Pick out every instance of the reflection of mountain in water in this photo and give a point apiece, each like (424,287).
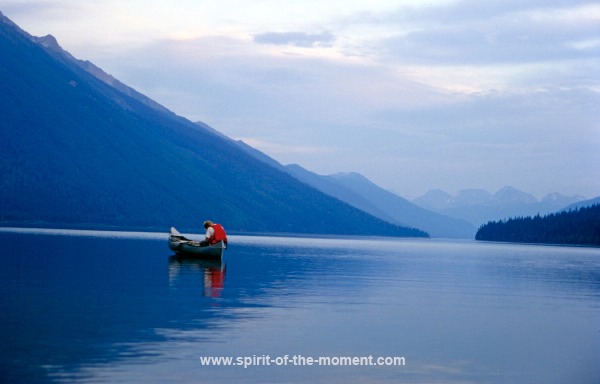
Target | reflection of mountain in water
(184,271)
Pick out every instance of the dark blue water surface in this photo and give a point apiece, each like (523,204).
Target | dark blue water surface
(107,307)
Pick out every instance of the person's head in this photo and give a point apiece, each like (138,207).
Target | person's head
(207,224)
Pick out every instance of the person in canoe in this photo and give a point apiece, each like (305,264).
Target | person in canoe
(214,233)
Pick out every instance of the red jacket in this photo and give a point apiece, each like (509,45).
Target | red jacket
(218,235)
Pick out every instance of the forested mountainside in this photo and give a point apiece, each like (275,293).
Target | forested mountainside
(77,150)
(577,227)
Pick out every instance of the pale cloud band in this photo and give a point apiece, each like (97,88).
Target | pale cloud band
(299,39)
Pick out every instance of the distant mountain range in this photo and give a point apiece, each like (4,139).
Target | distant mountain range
(79,148)
(479,206)
(359,192)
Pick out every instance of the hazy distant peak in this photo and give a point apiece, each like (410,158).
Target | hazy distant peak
(438,193)
(296,167)
(556,197)
(513,195)
(48,41)
(354,180)
(433,199)
(473,192)
(435,194)
(353,175)
(472,197)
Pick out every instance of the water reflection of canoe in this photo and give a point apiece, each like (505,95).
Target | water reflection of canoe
(187,247)
(211,270)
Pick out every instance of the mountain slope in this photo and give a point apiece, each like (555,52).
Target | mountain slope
(336,188)
(401,211)
(361,193)
(583,204)
(76,150)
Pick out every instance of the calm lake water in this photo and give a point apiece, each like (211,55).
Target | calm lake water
(103,307)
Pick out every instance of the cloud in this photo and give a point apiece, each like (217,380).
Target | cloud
(459,35)
(298,39)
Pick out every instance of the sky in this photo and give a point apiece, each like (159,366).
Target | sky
(413,94)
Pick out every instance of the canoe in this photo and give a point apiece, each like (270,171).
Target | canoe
(187,247)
